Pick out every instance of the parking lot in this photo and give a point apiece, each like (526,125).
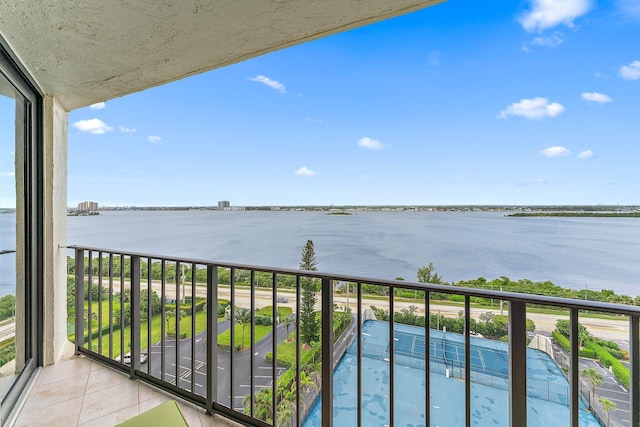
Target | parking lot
(182,375)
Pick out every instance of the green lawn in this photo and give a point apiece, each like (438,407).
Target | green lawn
(282,311)
(156,333)
(224,339)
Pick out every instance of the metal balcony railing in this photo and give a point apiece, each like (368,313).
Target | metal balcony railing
(172,340)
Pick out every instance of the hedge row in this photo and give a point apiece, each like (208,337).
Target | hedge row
(6,343)
(564,343)
(186,308)
(619,370)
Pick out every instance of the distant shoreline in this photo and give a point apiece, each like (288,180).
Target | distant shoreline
(578,214)
(526,209)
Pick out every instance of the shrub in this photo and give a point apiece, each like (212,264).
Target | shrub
(263,320)
(564,343)
(619,370)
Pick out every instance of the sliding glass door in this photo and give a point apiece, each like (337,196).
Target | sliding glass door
(20,233)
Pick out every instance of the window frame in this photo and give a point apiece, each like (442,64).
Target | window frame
(33,220)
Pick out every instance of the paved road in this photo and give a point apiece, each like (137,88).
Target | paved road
(7,331)
(263,374)
(609,329)
(610,389)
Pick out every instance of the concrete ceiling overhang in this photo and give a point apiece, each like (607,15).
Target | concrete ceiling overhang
(88,51)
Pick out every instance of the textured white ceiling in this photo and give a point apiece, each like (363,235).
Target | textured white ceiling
(94,50)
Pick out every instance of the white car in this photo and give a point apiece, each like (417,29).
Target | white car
(127,358)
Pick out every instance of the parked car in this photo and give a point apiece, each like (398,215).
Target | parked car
(282,299)
(127,358)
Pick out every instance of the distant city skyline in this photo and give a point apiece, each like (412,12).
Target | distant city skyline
(463,103)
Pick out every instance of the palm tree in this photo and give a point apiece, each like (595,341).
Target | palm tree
(288,321)
(168,315)
(262,405)
(595,378)
(607,405)
(285,412)
(315,348)
(243,317)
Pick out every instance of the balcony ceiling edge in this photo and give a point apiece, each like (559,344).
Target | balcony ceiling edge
(96,50)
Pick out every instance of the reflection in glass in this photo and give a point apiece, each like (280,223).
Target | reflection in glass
(9,366)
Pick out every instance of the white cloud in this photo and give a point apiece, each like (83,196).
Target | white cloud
(98,106)
(586,154)
(305,171)
(551,13)
(7,173)
(549,41)
(600,98)
(537,181)
(631,71)
(93,126)
(138,172)
(126,129)
(370,144)
(556,151)
(275,85)
(532,109)
(154,138)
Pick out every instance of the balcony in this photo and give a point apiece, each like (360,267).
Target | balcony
(364,367)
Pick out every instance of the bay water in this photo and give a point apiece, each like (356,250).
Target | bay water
(600,253)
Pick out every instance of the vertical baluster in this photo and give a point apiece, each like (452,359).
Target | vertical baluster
(177,319)
(467,361)
(100,302)
(163,311)
(517,363)
(359,354)
(634,357)
(79,338)
(193,328)
(252,334)
(89,302)
(232,330)
(391,359)
(274,345)
(327,353)
(111,305)
(135,314)
(212,337)
(574,368)
(427,359)
(297,326)
(122,348)
(149,314)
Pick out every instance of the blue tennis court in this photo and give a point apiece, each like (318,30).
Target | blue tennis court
(448,350)
(547,387)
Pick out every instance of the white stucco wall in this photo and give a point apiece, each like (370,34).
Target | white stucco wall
(55,229)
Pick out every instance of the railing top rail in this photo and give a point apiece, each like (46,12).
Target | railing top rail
(566,303)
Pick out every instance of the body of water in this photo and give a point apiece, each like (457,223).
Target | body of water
(7,261)
(601,253)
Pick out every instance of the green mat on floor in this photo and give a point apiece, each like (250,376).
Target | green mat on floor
(168,414)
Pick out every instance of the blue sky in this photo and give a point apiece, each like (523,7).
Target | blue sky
(467,102)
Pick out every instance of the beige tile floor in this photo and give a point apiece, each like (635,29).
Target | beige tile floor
(81,392)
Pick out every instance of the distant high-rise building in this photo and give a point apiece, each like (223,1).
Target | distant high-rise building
(224,205)
(88,206)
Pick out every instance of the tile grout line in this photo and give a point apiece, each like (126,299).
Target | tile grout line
(114,410)
(84,392)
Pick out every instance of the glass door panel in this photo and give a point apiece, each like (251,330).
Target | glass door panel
(8,144)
